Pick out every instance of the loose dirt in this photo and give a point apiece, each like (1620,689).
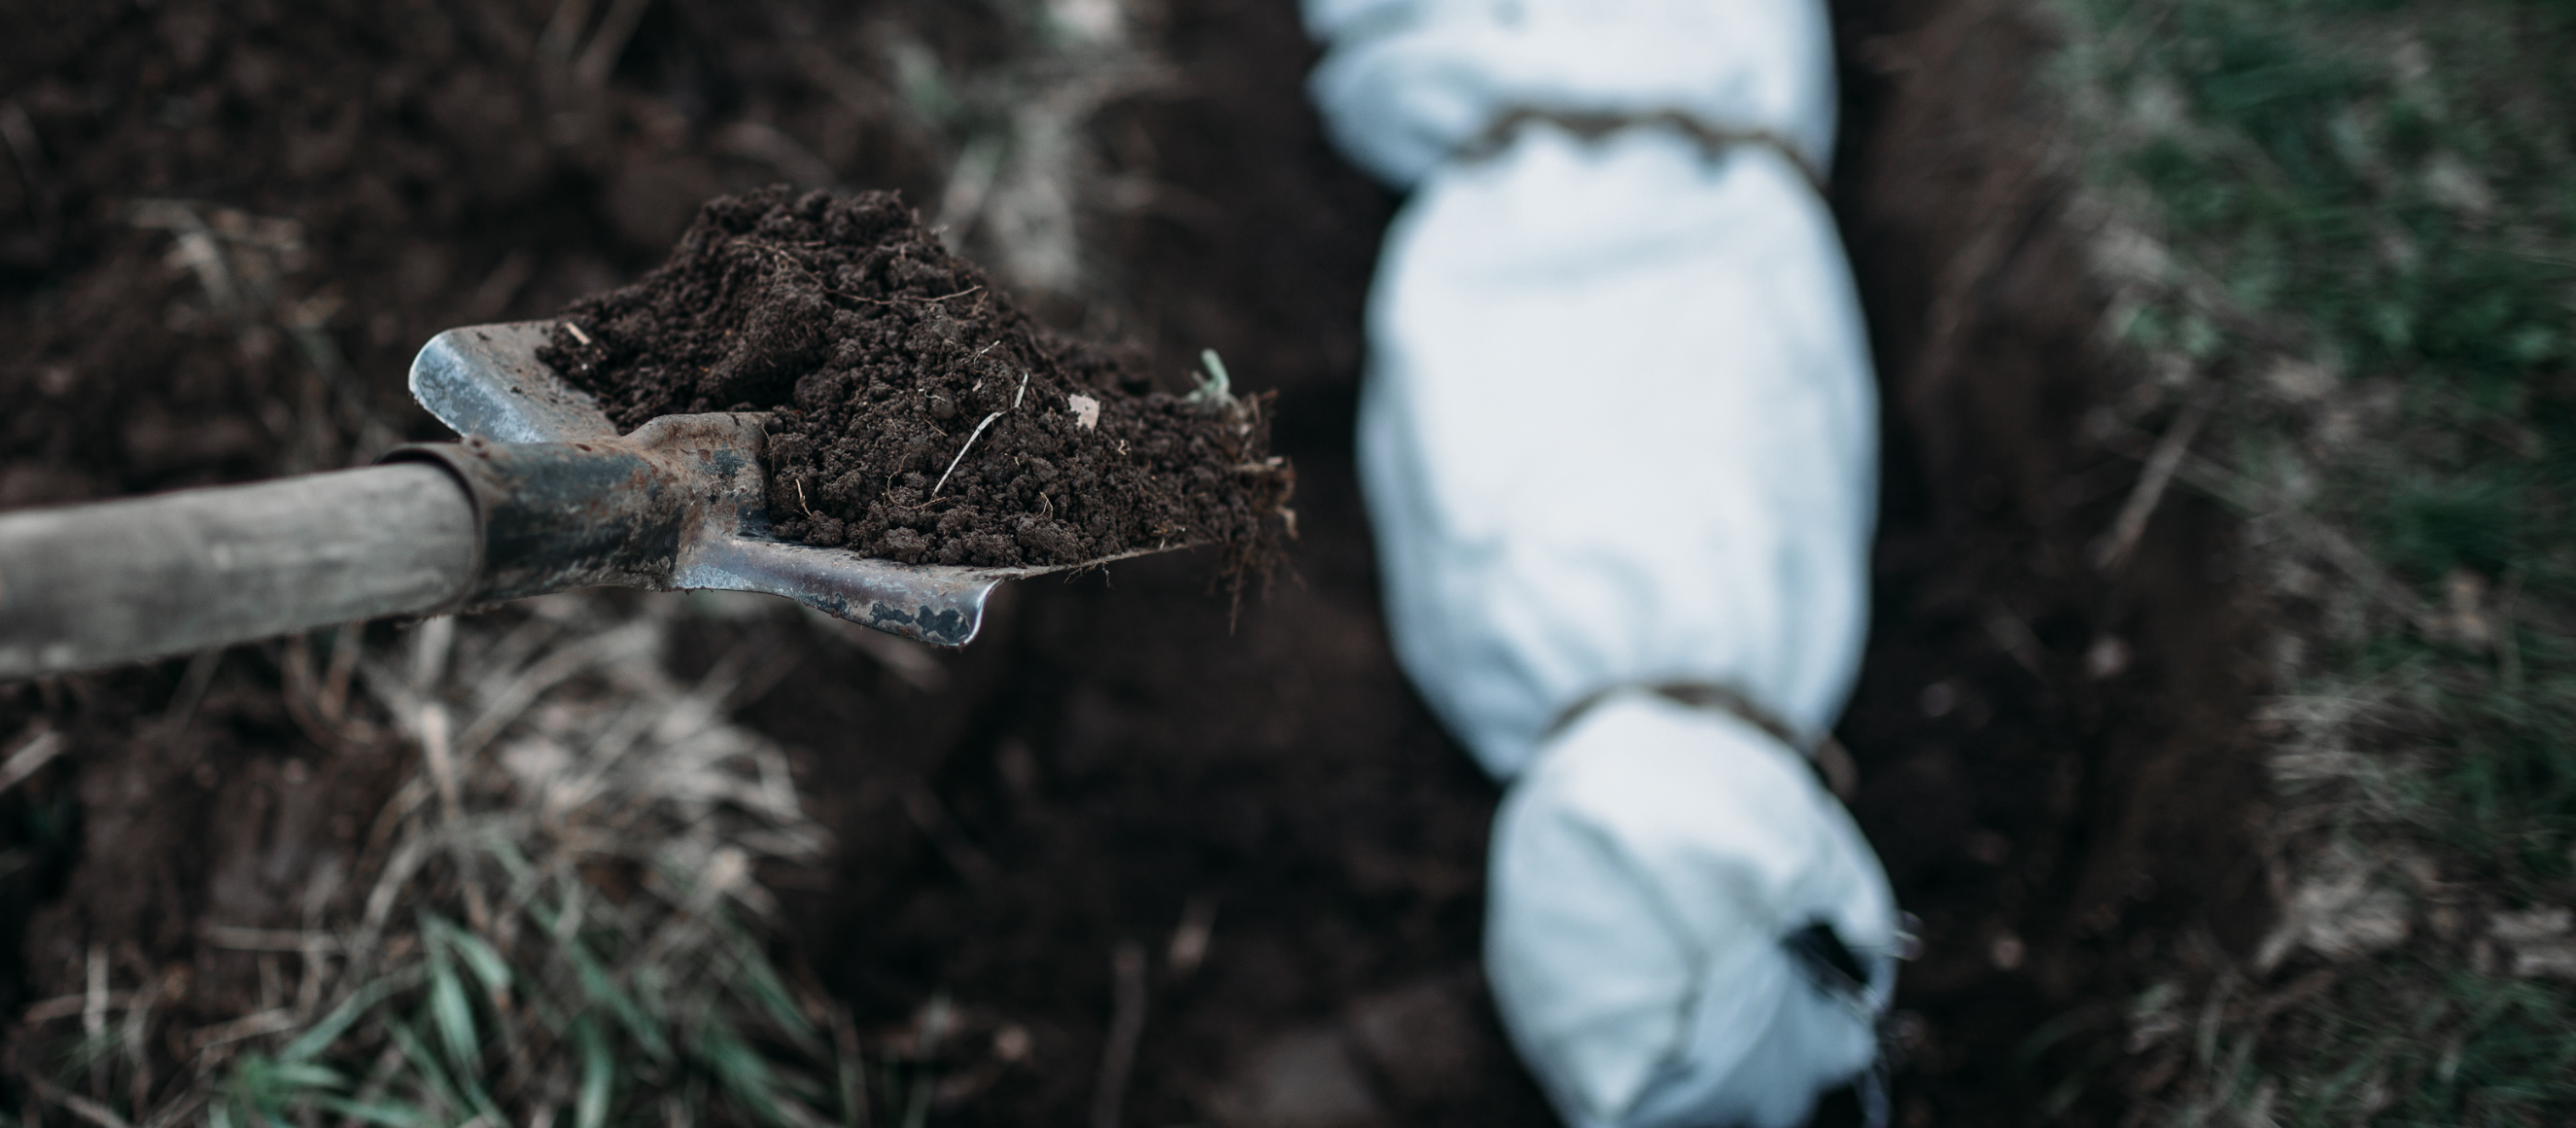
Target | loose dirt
(916,413)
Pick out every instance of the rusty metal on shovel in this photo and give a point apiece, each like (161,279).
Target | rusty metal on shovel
(552,498)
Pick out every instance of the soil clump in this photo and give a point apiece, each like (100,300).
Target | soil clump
(917,414)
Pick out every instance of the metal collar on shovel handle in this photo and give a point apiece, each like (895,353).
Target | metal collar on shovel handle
(553,498)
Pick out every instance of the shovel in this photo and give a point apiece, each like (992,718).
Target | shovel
(543,495)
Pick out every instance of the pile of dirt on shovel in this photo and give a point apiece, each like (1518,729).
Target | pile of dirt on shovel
(917,413)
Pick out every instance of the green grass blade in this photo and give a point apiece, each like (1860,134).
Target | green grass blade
(916,1112)
(512,860)
(741,1071)
(478,954)
(603,990)
(327,1031)
(770,991)
(460,1088)
(433,1077)
(453,1014)
(303,1075)
(389,1114)
(852,1073)
(598,1071)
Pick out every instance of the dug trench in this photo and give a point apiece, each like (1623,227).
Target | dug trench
(2053,761)
(1242,825)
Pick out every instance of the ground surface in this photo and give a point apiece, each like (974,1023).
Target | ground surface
(1254,804)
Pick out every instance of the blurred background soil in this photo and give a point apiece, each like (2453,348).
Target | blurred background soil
(225,228)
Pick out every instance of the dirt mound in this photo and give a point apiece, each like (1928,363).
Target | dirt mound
(919,415)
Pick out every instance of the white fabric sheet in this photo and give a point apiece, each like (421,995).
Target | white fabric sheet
(1619,429)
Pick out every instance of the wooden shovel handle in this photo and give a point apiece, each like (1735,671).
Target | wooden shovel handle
(95,585)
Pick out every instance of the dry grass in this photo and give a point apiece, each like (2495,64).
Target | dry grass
(558,919)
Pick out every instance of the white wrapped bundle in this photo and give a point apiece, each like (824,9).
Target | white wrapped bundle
(1619,431)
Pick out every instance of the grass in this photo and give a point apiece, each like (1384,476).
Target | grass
(2357,218)
(557,921)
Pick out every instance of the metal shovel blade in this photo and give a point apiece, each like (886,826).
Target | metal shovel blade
(486,382)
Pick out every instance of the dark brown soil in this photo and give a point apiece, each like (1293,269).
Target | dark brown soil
(1110,756)
(916,413)
(2057,761)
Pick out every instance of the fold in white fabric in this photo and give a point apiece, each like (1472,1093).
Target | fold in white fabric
(1410,82)
(1619,430)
